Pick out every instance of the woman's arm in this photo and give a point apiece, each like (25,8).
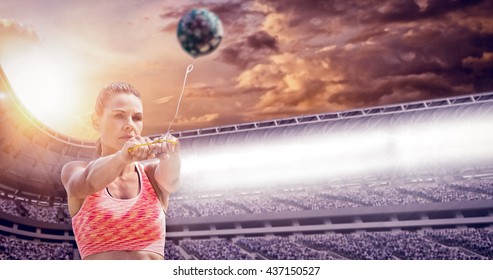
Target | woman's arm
(82,179)
(167,171)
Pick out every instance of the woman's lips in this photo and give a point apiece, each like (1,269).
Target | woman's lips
(127,137)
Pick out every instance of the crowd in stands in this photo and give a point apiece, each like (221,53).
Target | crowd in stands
(386,245)
(179,210)
(479,241)
(319,197)
(281,248)
(171,252)
(16,249)
(478,185)
(262,204)
(459,243)
(392,196)
(278,200)
(214,249)
(8,206)
(314,200)
(212,207)
(443,244)
(48,214)
(442,193)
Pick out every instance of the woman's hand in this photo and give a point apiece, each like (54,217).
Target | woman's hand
(169,148)
(138,149)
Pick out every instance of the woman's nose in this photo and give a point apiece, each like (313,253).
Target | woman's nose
(129,125)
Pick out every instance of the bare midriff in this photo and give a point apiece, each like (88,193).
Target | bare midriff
(125,255)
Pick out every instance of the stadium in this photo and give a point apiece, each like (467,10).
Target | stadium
(404,181)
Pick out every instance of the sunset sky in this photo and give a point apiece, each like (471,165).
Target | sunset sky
(277,58)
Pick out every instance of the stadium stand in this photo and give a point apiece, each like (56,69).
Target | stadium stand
(427,243)
(14,249)
(316,198)
(44,213)
(214,249)
(172,252)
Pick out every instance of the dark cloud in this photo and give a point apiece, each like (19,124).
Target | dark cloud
(440,7)
(479,64)
(482,71)
(370,11)
(250,51)
(310,8)
(397,89)
(410,10)
(261,40)
(230,13)
(412,61)
(400,10)
(406,51)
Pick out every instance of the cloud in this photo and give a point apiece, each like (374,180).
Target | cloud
(207,118)
(15,36)
(400,54)
(478,64)
(262,39)
(288,84)
(291,57)
(402,10)
(192,122)
(163,100)
(397,89)
(482,71)
(435,8)
(250,51)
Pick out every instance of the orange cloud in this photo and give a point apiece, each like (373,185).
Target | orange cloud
(292,84)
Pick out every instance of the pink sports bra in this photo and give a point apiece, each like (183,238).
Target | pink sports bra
(105,223)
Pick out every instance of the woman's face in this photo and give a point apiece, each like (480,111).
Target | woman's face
(121,120)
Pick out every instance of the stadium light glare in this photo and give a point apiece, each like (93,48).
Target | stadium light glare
(362,151)
(444,144)
(288,160)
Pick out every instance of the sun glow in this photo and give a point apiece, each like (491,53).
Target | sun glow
(49,84)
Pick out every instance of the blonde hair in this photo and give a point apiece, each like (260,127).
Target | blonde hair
(107,91)
(111,89)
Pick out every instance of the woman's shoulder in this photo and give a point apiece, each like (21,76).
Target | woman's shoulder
(69,167)
(75,164)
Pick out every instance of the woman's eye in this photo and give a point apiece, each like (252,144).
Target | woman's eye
(138,118)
